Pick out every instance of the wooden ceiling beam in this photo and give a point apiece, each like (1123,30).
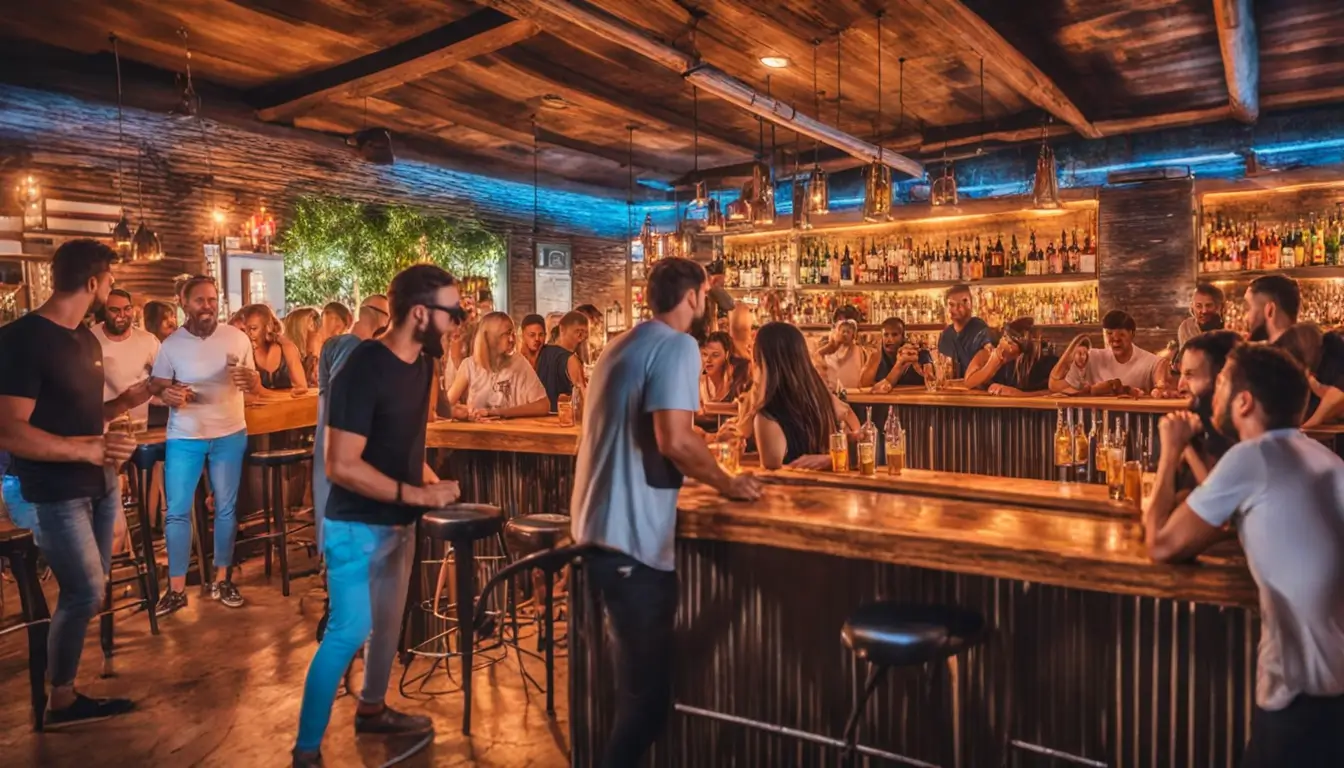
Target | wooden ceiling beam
(1241,56)
(1304,98)
(953,18)
(484,31)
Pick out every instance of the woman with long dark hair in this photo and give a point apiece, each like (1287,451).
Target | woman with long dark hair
(1016,367)
(794,413)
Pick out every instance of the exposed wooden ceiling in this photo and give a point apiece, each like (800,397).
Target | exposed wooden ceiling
(470,77)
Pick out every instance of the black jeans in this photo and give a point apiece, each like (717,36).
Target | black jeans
(1308,733)
(641,609)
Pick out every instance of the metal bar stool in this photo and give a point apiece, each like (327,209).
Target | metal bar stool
(17,546)
(895,634)
(527,535)
(461,526)
(273,509)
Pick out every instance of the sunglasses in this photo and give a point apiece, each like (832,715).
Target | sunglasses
(456,314)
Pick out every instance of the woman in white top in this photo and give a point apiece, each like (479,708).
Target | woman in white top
(496,382)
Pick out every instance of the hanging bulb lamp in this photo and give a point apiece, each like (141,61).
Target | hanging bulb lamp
(121,234)
(801,219)
(701,188)
(818,193)
(701,198)
(145,245)
(713,216)
(944,190)
(1045,187)
(762,195)
(740,209)
(876,192)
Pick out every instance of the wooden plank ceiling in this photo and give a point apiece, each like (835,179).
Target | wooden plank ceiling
(469,78)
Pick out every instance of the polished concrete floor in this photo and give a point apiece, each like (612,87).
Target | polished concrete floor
(222,687)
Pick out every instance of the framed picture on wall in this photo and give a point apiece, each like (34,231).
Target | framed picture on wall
(557,256)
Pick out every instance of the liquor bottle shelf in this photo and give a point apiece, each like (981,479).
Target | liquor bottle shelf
(1301,273)
(1026,280)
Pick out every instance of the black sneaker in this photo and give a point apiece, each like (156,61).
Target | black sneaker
(171,602)
(87,710)
(391,722)
(306,759)
(226,593)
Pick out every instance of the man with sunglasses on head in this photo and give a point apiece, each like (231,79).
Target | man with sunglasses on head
(202,373)
(375,459)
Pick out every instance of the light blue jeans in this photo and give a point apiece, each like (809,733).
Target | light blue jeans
(183,462)
(368,573)
(321,485)
(22,513)
(77,542)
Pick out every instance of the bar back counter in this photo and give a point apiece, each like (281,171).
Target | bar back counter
(1096,656)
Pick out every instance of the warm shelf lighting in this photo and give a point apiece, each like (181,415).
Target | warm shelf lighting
(775,62)
(1273,190)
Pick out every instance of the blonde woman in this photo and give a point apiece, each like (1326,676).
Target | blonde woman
(497,382)
(303,326)
(278,359)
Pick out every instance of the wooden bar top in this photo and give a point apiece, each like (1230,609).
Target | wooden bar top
(273,414)
(988,539)
(536,435)
(968,398)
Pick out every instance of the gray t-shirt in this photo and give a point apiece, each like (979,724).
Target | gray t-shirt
(625,492)
(1285,494)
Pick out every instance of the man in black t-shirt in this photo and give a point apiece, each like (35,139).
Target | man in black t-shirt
(51,421)
(379,406)
(558,366)
(900,364)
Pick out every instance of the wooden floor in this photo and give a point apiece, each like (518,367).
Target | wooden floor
(222,687)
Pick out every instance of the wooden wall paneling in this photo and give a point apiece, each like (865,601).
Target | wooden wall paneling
(1147,255)
(599,270)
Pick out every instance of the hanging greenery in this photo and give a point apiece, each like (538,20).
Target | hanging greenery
(330,245)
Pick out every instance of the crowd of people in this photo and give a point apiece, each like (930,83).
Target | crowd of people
(1234,462)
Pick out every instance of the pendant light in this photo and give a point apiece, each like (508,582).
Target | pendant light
(145,245)
(1045,187)
(801,219)
(713,217)
(877,176)
(635,242)
(739,210)
(701,198)
(121,233)
(536,174)
(818,186)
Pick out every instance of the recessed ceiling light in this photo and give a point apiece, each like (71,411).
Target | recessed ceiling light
(775,62)
(552,101)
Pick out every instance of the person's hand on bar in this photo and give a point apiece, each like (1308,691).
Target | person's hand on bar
(882,387)
(820,462)
(743,487)
(461,412)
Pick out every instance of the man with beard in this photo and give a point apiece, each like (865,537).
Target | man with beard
(532,337)
(128,357)
(202,372)
(1201,360)
(898,365)
(380,487)
(1272,306)
(51,422)
(1280,491)
(638,441)
(1206,313)
(965,334)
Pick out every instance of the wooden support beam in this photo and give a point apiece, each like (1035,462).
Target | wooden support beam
(1304,98)
(484,31)
(1169,120)
(1241,56)
(954,19)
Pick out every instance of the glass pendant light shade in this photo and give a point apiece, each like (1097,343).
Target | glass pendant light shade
(818,193)
(121,234)
(740,209)
(701,195)
(876,192)
(763,195)
(1045,188)
(145,244)
(801,218)
(944,190)
(713,216)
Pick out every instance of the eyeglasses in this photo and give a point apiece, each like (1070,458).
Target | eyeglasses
(456,314)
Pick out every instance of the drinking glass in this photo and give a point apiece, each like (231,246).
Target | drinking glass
(895,454)
(839,452)
(565,410)
(725,453)
(1115,471)
(1134,482)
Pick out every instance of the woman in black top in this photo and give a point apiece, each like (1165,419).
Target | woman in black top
(1016,367)
(278,359)
(795,414)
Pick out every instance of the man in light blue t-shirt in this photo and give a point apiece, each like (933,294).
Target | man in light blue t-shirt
(638,441)
(1283,494)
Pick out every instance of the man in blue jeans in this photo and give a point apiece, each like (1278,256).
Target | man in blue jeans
(380,485)
(201,373)
(638,441)
(51,422)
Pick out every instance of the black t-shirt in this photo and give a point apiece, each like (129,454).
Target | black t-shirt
(1038,377)
(386,400)
(61,369)
(1330,370)
(910,377)
(553,370)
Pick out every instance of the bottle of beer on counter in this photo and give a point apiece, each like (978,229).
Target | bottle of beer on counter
(1081,446)
(868,445)
(1063,441)
(894,437)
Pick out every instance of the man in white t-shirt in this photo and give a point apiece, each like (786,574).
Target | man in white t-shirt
(1119,368)
(128,358)
(202,372)
(1283,494)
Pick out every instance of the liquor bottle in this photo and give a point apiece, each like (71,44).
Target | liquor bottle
(1081,446)
(1016,267)
(1053,265)
(995,268)
(1287,250)
(846,268)
(1033,256)
(1332,243)
(978,273)
(1087,260)
(894,437)
(1071,260)
(868,445)
(1254,250)
(1063,441)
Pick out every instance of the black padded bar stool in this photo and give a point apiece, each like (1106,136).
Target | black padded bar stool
(896,634)
(273,465)
(461,526)
(526,536)
(17,546)
(144,459)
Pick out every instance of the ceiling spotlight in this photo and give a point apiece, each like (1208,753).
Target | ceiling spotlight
(775,62)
